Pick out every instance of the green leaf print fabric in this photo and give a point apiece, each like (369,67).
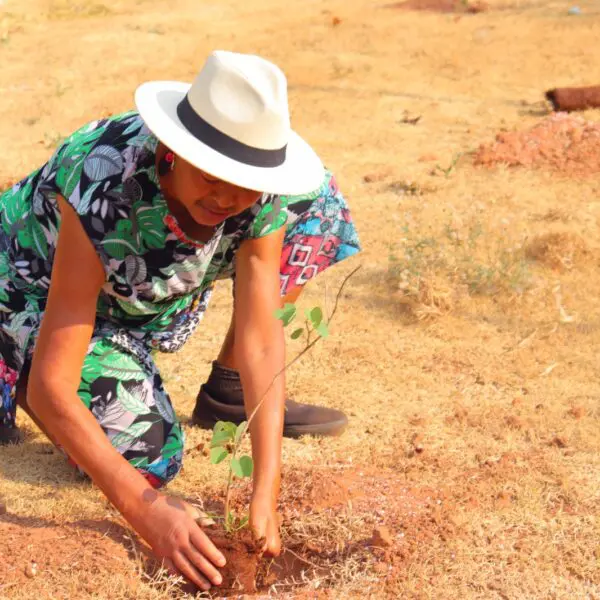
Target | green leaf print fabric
(158,281)
(158,285)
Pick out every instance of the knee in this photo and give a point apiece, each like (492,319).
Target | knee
(162,470)
(158,453)
(160,463)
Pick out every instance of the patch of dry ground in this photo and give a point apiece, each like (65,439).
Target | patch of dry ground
(466,349)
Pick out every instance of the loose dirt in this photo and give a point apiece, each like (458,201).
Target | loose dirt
(518,516)
(562,143)
(32,549)
(442,6)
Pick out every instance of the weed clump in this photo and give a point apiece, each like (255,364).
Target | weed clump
(429,273)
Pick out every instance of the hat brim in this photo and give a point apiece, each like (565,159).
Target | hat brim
(301,173)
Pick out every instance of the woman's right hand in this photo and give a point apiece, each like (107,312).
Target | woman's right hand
(170,526)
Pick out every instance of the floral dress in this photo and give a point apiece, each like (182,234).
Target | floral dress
(158,281)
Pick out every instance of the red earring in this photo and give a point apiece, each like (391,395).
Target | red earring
(167,163)
(170,158)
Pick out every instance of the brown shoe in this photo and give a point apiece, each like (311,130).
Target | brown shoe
(10,435)
(221,399)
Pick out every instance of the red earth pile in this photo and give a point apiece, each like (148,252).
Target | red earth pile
(443,6)
(562,143)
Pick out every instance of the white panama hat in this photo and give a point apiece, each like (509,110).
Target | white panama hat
(233,122)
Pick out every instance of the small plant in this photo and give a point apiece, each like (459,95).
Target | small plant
(447,171)
(227,437)
(429,271)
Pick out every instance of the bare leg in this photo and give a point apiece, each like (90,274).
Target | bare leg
(227,355)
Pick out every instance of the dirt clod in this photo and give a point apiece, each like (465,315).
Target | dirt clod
(242,556)
(374,177)
(503,499)
(98,546)
(514,422)
(563,143)
(560,441)
(568,99)
(559,250)
(577,412)
(382,538)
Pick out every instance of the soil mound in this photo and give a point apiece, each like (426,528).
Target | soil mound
(442,6)
(34,550)
(562,143)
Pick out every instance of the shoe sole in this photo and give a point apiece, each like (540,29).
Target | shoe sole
(332,429)
(12,439)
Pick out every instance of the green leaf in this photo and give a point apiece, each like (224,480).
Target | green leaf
(119,245)
(236,467)
(132,433)
(86,199)
(218,455)
(240,431)
(111,363)
(315,315)
(150,225)
(297,333)
(247,465)
(223,433)
(322,330)
(164,406)
(244,522)
(130,402)
(242,467)
(139,462)
(38,238)
(220,438)
(116,363)
(174,443)
(226,426)
(286,314)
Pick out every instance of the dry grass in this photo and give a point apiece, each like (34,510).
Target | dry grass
(499,392)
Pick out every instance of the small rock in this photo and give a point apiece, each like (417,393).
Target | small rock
(417,442)
(514,422)
(577,412)
(335,21)
(574,11)
(31,570)
(382,538)
(560,441)
(503,500)
(373,177)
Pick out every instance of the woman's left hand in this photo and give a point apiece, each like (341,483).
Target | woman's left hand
(264,523)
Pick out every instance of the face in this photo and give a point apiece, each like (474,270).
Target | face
(209,201)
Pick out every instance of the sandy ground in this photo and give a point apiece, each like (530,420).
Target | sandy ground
(466,348)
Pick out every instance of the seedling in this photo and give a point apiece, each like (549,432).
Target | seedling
(447,171)
(227,437)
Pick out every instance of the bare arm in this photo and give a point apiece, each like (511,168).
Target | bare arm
(260,354)
(66,330)
(77,277)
